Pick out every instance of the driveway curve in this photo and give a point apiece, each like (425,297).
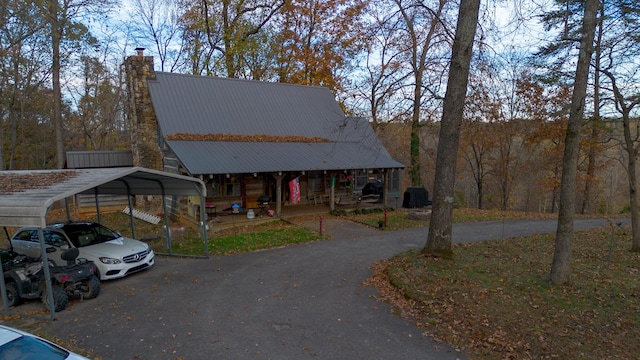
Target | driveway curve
(298,302)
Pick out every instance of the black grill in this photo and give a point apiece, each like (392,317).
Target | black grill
(137,268)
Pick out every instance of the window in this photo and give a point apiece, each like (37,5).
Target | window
(213,186)
(394,180)
(315,181)
(54,239)
(232,188)
(27,235)
(362,179)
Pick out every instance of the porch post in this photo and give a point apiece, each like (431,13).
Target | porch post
(279,176)
(385,191)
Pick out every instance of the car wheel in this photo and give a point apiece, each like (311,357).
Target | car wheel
(13,296)
(91,288)
(60,298)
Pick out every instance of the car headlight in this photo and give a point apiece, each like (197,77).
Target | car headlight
(109,261)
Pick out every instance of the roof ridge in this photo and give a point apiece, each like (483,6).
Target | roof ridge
(208,77)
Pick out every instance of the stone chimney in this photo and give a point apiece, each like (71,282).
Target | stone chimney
(141,117)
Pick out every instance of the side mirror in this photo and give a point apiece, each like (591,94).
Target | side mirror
(50,250)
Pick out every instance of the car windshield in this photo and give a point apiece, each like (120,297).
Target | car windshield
(28,348)
(89,234)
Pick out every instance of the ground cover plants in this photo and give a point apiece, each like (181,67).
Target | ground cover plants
(495,300)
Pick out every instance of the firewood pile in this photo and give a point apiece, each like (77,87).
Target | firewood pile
(244,138)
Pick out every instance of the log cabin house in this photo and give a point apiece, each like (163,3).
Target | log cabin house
(246,139)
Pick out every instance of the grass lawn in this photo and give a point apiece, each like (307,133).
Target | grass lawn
(495,300)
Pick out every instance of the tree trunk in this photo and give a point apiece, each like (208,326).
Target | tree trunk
(595,125)
(633,196)
(440,229)
(56,34)
(561,267)
(416,176)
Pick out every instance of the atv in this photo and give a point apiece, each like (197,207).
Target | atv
(24,279)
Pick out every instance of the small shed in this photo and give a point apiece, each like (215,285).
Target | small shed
(85,204)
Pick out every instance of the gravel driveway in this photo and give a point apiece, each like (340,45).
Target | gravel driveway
(298,302)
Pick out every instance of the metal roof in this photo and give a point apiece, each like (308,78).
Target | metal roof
(99,159)
(248,157)
(214,105)
(28,207)
(211,105)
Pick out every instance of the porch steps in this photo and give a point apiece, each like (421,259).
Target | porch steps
(144,216)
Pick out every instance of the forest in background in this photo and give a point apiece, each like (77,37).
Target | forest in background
(62,85)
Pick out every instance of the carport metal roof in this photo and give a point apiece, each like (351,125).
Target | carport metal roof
(27,195)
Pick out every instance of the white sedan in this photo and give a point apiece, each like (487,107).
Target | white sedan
(20,345)
(115,256)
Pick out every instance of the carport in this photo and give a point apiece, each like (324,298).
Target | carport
(26,196)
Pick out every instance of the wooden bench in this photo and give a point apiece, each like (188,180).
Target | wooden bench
(355,201)
(371,198)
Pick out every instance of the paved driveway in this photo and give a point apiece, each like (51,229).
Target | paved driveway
(299,302)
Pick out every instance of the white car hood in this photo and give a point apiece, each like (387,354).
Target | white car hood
(117,248)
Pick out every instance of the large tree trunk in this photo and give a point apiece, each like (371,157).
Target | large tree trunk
(439,238)
(561,267)
(633,193)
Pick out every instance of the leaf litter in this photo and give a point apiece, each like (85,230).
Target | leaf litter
(495,299)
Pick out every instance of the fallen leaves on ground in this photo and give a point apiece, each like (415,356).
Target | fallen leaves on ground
(495,299)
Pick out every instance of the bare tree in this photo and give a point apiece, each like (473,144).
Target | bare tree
(63,17)
(440,226)
(383,69)
(423,26)
(157,21)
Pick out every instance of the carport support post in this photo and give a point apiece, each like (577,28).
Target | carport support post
(66,207)
(47,273)
(95,191)
(133,225)
(203,225)
(332,202)
(385,188)
(3,288)
(167,233)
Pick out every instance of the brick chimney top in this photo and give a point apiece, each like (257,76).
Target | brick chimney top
(140,51)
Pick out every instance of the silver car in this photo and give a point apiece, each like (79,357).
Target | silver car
(115,256)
